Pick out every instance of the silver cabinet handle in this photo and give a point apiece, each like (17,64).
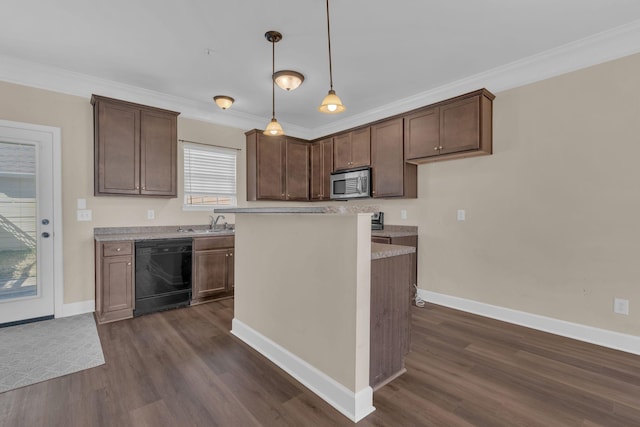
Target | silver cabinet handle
(117,249)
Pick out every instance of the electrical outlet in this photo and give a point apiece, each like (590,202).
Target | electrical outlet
(151,214)
(83,214)
(403,214)
(461,215)
(621,306)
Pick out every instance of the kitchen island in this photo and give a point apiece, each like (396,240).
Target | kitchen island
(303,298)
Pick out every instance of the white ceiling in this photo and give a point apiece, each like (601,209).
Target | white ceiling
(388,56)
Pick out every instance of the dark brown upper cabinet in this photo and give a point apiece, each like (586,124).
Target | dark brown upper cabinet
(352,149)
(391,176)
(422,134)
(459,127)
(277,167)
(286,168)
(135,149)
(321,168)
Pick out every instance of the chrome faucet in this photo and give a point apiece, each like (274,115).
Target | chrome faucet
(214,222)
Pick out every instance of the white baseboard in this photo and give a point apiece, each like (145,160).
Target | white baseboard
(354,406)
(80,307)
(602,337)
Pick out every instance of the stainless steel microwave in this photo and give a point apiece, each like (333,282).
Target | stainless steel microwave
(351,184)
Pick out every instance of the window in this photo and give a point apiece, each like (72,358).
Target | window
(209,177)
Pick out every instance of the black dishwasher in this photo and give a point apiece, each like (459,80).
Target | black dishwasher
(163,275)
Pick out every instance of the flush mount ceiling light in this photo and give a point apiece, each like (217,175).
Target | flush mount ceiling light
(288,80)
(223,102)
(273,128)
(331,104)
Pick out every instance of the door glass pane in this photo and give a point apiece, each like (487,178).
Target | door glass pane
(17,221)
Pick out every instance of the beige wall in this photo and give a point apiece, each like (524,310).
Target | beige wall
(552,216)
(298,285)
(74,115)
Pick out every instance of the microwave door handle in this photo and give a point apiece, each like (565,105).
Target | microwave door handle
(363,185)
(359,186)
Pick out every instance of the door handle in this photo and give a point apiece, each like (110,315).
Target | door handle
(45,234)
(45,222)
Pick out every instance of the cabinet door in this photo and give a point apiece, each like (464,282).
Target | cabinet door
(315,161)
(117,283)
(231,270)
(342,151)
(158,153)
(210,275)
(361,148)
(117,149)
(270,167)
(460,126)
(297,170)
(388,159)
(422,134)
(321,156)
(327,167)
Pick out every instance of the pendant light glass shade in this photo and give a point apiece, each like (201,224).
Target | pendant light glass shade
(288,80)
(331,104)
(223,102)
(273,128)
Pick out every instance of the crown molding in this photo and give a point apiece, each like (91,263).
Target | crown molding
(602,47)
(26,73)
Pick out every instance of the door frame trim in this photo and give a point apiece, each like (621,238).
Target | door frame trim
(58,274)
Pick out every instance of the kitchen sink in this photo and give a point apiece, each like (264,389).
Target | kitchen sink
(206,231)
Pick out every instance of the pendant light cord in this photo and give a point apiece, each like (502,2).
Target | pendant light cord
(273,84)
(329,40)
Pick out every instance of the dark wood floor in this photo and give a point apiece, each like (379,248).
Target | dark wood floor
(183,368)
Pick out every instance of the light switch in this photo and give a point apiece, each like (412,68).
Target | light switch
(462,215)
(83,214)
(82,204)
(151,214)
(403,214)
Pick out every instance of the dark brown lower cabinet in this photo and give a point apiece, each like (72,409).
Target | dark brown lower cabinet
(390,331)
(404,241)
(114,281)
(213,268)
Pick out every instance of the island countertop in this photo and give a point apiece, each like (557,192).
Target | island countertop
(337,209)
(384,250)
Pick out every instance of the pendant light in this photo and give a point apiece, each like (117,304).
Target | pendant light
(273,128)
(331,104)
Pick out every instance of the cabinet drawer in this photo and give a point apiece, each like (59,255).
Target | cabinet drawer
(204,243)
(380,239)
(117,248)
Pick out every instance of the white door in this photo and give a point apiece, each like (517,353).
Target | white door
(26,221)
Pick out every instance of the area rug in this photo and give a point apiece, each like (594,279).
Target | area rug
(40,351)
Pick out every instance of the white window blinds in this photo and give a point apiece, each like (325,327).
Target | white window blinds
(209,176)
